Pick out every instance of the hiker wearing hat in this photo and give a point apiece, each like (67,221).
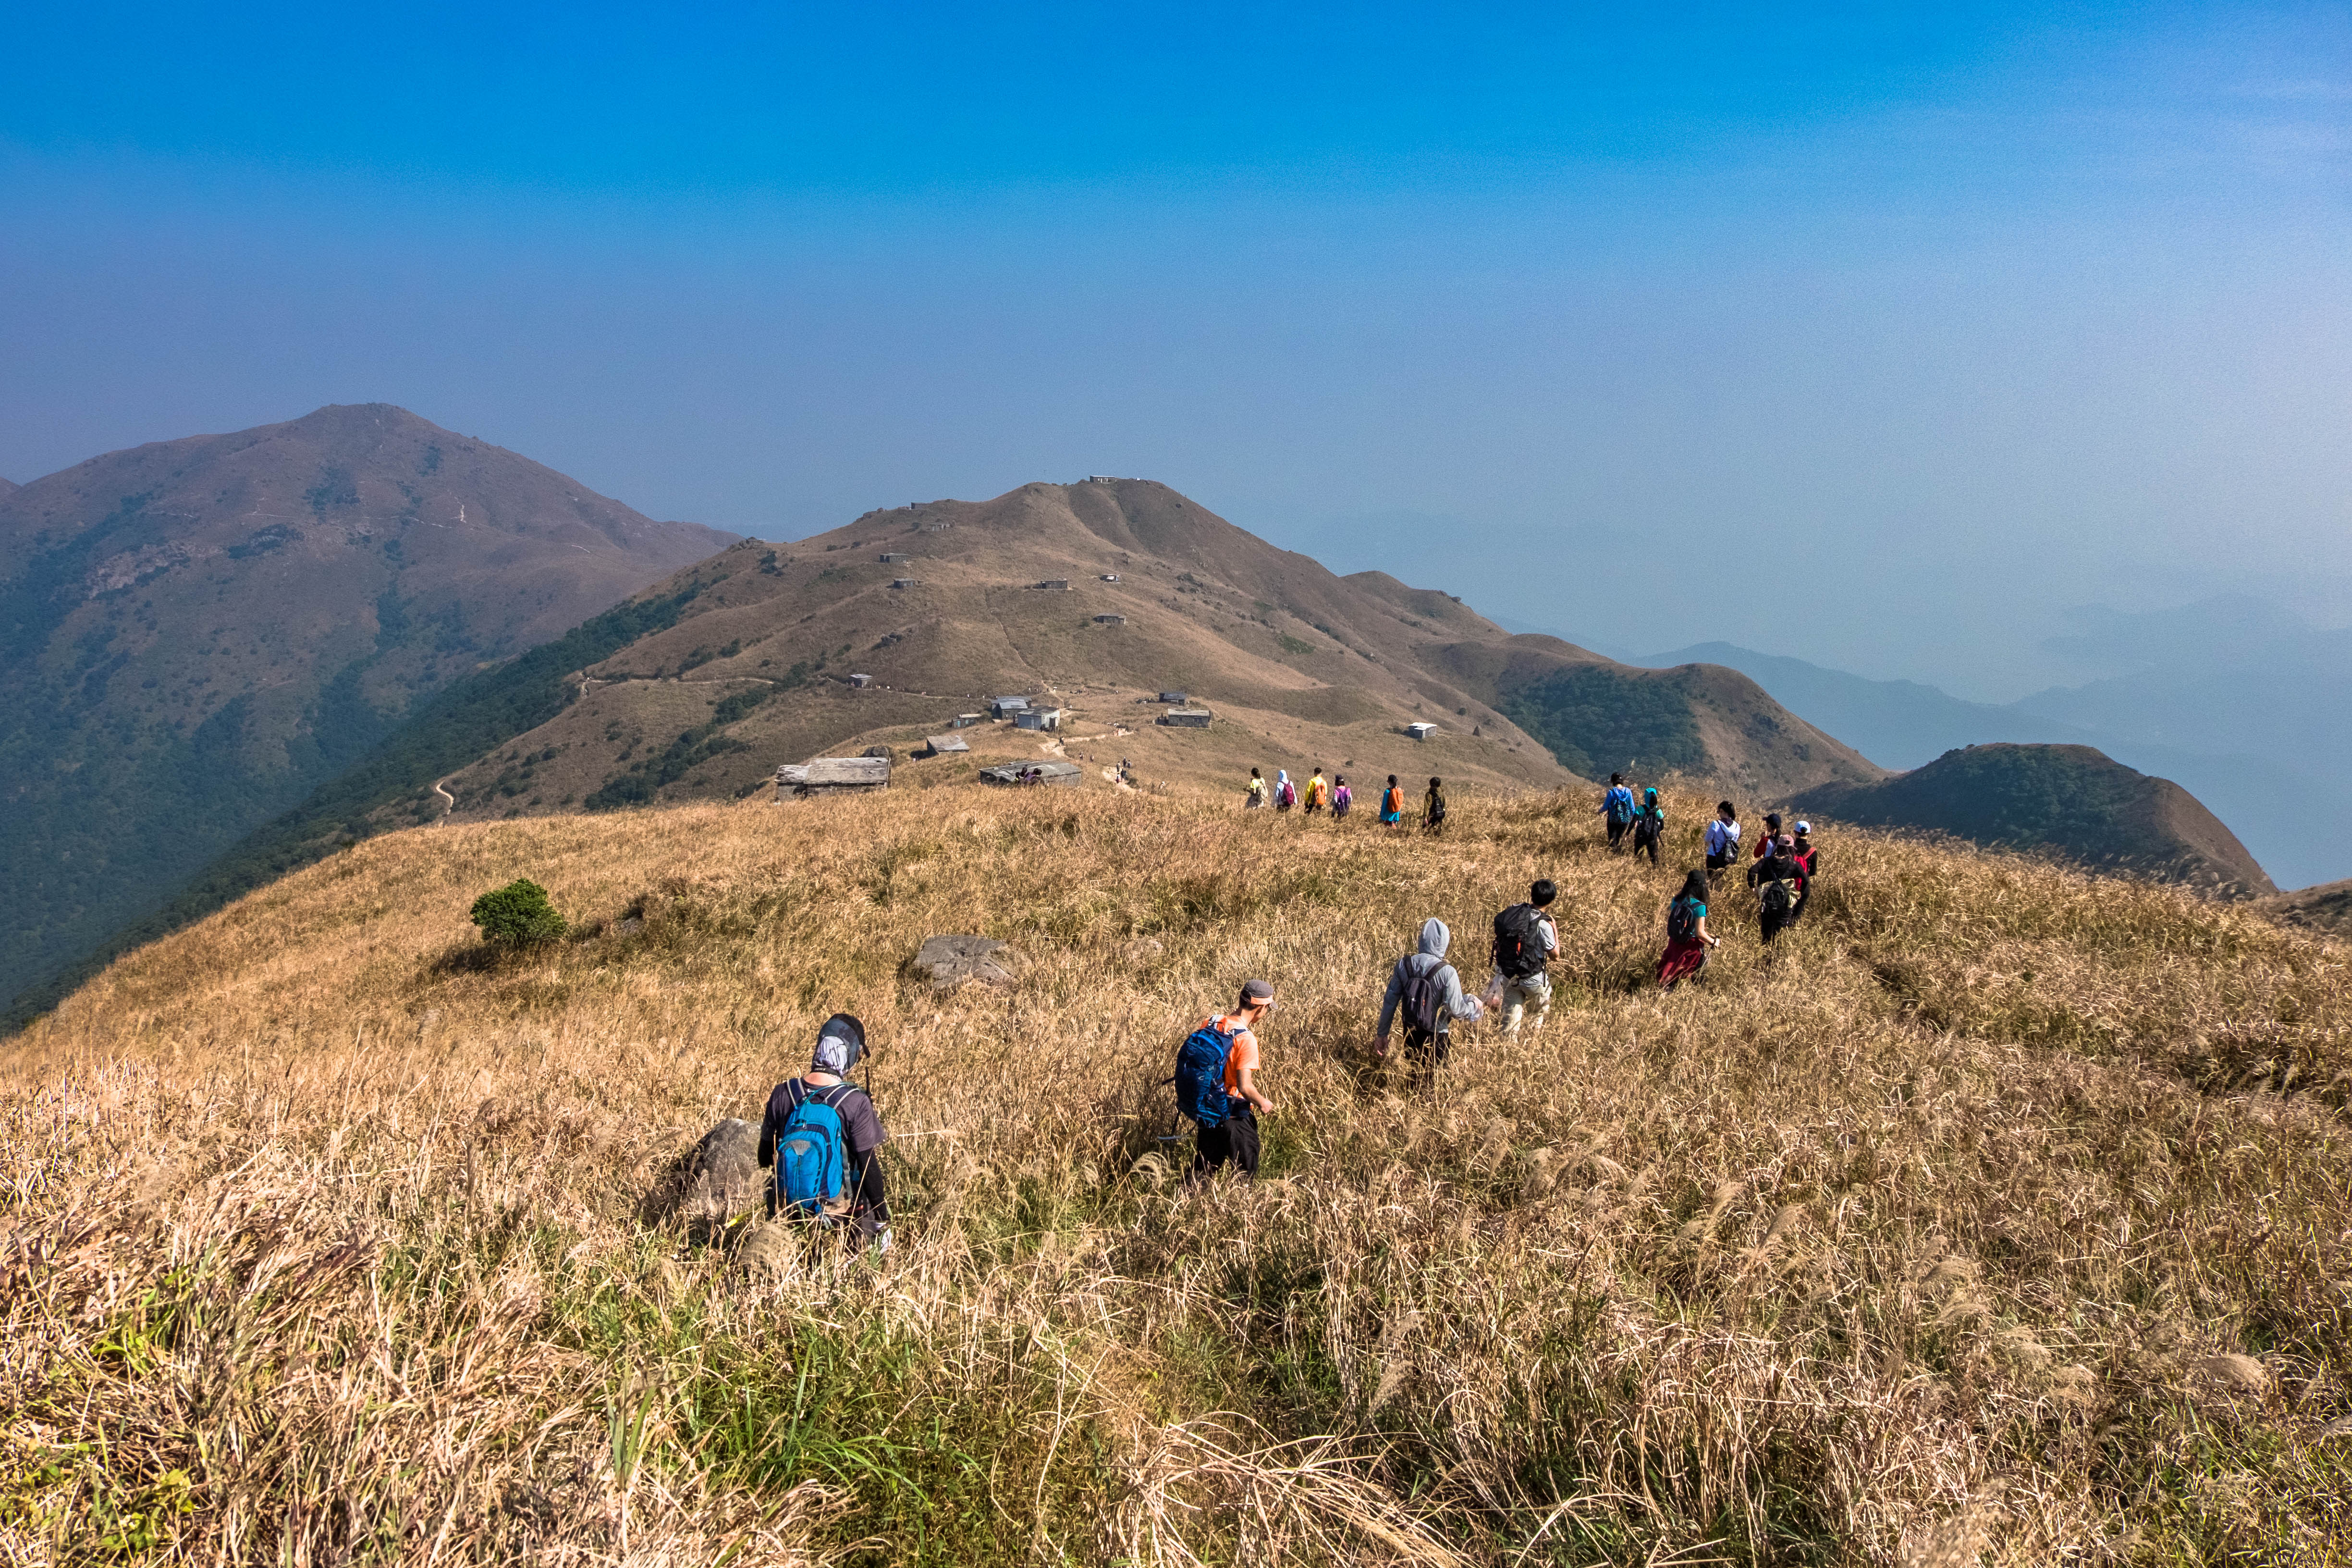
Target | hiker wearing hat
(1216,1085)
(825,1138)
(1649,825)
(1809,866)
(1617,806)
(1765,845)
(1774,877)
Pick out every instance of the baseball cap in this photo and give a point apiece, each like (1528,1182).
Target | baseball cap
(1257,990)
(1805,828)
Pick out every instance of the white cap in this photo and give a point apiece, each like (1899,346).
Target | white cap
(1805,828)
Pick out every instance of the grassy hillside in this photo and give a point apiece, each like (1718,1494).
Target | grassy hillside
(196,634)
(2327,907)
(2073,800)
(2002,1212)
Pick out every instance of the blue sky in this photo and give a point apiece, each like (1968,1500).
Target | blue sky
(1878,336)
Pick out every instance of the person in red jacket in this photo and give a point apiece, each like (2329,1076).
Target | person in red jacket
(1809,866)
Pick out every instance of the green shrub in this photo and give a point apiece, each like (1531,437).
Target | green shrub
(517,915)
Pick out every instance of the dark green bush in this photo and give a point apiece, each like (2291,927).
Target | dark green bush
(517,915)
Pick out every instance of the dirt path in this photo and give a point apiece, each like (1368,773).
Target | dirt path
(449,801)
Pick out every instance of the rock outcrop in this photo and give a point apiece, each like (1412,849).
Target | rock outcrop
(948,961)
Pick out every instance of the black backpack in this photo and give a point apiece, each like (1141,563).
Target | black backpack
(1777,899)
(1682,921)
(1423,1002)
(1518,941)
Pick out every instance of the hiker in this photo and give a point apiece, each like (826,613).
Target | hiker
(1722,842)
(1216,1085)
(1286,794)
(1342,797)
(1688,941)
(825,1138)
(1772,834)
(1774,877)
(1432,809)
(1318,792)
(1255,796)
(1809,866)
(1429,993)
(1393,804)
(1617,805)
(1649,825)
(1525,941)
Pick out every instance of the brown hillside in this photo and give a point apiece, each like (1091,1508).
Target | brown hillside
(2326,907)
(8,485)
(1301,667)
(2074,800)
(198,632)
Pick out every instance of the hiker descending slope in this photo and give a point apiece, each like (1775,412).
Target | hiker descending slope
(1774,877)
(1393,804)
(1688,941)
(1318,792)
(1722,842)
(1432,809)
(823,1137)
(1255,796)
(1617,807)
(1342,797)
(1286,794)
(1809,866)
(1424,988)
(1525,942)
(1216,1085)
(1764,846)
(1649,825)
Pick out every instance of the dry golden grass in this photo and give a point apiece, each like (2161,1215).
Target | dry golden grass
(2003,1216)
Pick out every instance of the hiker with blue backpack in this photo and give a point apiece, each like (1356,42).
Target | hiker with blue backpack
(824,1138)
(1617,805)
(1427,992)
(1216,1086)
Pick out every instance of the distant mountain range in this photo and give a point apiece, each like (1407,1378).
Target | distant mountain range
(385,656)
(2243,704)
(198,633)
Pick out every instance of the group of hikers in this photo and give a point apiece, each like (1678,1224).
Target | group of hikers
(821,1134)
(1339,798)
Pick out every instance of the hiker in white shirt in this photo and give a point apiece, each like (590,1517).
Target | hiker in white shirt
(1722,841)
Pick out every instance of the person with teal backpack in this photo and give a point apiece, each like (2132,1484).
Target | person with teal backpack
(1216,1085)
(1649,825)
(823,1137)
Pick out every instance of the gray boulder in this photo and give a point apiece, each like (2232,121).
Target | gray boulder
(722,1177)
(948,961)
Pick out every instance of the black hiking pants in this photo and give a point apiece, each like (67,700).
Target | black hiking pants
(1646,843)
(1427,1050)
(1616,833)
(1232,1142)
(1770,925)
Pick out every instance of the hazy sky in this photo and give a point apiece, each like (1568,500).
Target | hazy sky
(1877,337)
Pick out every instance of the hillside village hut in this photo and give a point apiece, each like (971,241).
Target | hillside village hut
(1110,620)
(1185,719)
(893,557)
(1038,719)
(965,721)
(938,746)
(1006,707)
(861,681)
(905,582)
(1065,774)
(1175,699)
(834,775)
(1060,583)
(1110,576)
(1421,731)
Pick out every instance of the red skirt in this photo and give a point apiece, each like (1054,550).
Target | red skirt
(1682,959)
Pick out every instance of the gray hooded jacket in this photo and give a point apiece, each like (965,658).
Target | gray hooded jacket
(1434,939)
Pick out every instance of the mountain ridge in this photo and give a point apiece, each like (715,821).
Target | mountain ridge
(199,631)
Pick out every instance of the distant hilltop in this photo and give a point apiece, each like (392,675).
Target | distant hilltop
(2073,800)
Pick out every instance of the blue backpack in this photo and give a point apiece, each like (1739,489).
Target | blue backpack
(1621,804)
(1200,1075)
(812,1160)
